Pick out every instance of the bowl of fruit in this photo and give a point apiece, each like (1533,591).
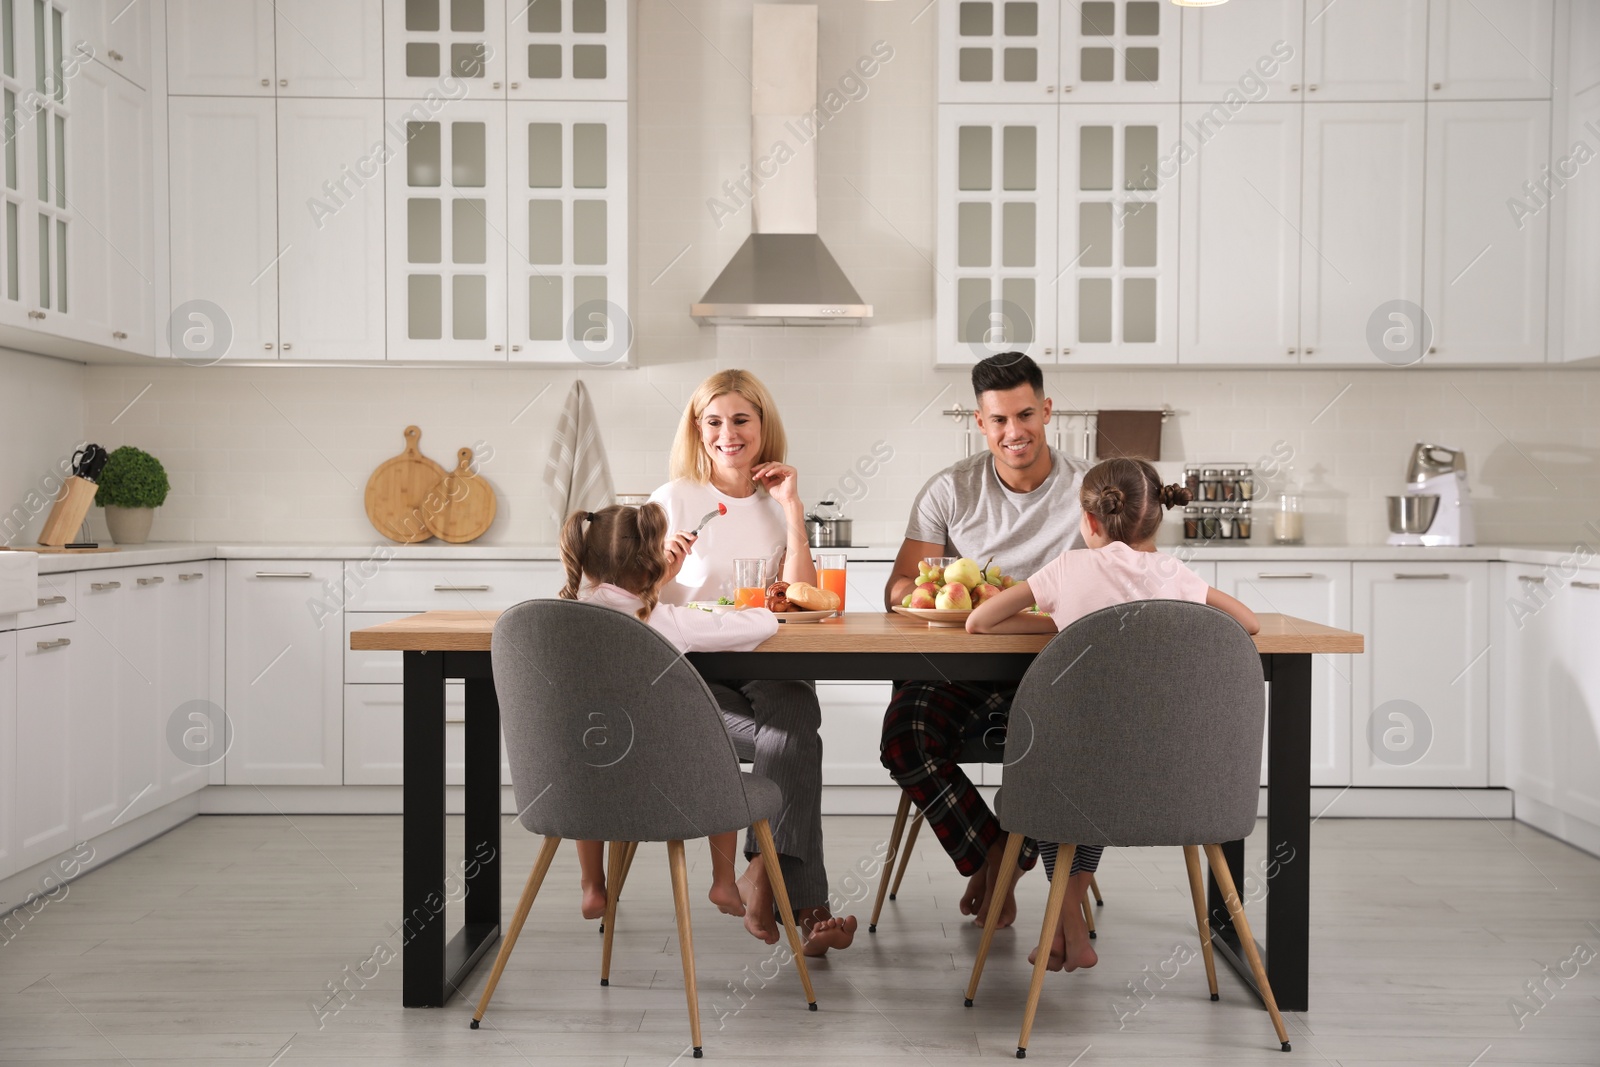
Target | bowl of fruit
(949,587)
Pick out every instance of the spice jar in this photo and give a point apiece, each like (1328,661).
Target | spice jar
(1191,523)
(1208,524)
(1210,484)
(1225,518)
(1242,525)
(1247,483)
(1230,484)
(1191,481)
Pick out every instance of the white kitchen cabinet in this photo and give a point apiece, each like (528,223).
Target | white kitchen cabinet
(8,753)
(1119,51)
(1000,51)
(1422,688)
(283,673)
(1366,50)
(447,209)
(1536,688)
(568,224)
(1578,778)
(1317,592)
(1580,336)
(374,736)
(223,182)
(16,301)
(186,626)
(1234,51)
(329,48)
(220,48)
(330,219)
(1484,271)
(451,48)
(1117,283)
(1490,49)
(852,723)
(1361,221)
(45,761)
(1239,298)
(567,50)
(996,232)
(49,219)
(119,34)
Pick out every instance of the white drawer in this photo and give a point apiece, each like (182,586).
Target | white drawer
(374,743)
(424,585)
(57,602)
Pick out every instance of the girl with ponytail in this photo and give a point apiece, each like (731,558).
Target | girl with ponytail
(619,557)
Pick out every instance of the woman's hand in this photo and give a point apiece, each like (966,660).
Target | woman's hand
(782,482)
(678,546)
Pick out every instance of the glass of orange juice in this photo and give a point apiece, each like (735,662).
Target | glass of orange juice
(830,573)
(750,581)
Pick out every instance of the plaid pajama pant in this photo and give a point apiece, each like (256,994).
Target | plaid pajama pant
(924,730)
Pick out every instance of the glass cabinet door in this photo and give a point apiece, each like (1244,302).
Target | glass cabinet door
(431,46)
(18,150)
(1118,247)
(568,233)
(997,226)
(47,114)
(998,51)
(567,49)
(447,233)
(1122,51)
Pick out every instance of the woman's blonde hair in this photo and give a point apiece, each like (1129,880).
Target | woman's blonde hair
(621,545)
(689,459)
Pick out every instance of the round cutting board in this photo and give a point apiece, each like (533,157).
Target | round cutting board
(468,504)
(397,490)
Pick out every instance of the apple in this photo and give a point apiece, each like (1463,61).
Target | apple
(953,597)
(963,572)
(923,596)
(984,592)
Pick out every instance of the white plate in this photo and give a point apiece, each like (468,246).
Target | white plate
(803,616)
(709,605)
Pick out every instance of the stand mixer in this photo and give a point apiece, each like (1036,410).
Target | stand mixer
(1436,509)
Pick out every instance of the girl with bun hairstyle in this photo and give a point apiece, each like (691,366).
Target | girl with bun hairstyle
(1123,501)
(620,557)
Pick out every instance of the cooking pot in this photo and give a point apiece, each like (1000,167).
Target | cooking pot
(828,533)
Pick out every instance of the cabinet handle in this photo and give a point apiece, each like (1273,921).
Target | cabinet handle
(460,589)
(1294,88)
(287,346)
(60,642)
(195,577)
(516,85)
(100,587)
(1311,351)
(1311,88)
(1586,585)
(1049,88)
(495,85)
(1535,579)
(157,580)
(120,335)
(115,55)
(265,82)
(516,348)
(284,574)
(1291,352)
(1066,88)
(267,346)
(1437,86)
(283,82)
(36,314)
(1432,349)
(499,348)
(1266,574)
(1422,577)
(46,601)
(1066,351)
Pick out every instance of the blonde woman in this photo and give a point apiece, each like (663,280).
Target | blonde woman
(730,451)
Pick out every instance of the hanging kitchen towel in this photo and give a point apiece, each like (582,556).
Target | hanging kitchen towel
(577,472)
(1135,434)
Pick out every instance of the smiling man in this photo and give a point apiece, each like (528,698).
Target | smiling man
(1017,503)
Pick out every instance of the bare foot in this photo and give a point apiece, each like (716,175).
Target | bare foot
(826,933)
(725,895)
(756,893)
(1058,953)
(594,899)
(977,893)
(991,875)
(1080,953)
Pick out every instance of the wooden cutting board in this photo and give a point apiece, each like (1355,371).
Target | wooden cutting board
(468,504)
(398,489)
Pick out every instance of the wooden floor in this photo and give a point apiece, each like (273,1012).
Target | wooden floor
(217,944)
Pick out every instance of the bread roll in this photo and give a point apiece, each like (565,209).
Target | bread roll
(811,598)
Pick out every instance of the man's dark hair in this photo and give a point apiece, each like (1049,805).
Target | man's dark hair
(1006,371)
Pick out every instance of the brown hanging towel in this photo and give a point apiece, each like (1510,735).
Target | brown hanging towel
(1134,434)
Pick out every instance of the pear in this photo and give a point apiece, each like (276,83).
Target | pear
(963,571)
(954,597)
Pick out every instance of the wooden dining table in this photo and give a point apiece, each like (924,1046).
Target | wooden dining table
(857,646)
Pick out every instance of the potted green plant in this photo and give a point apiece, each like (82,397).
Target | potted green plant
(132,485)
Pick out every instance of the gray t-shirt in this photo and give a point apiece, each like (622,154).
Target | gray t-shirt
(969,510)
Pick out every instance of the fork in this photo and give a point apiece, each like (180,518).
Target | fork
(720,509)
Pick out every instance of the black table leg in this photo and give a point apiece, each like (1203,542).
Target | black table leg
(1288,859)
(481,866)
(422,892)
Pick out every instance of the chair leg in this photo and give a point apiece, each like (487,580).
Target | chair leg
(1008,863)
(529,891)
(780,896)
(627,864)
(615,864)
(1094,887)
(1088,915)
(905,855)
(680,902)
(1191,859)
(888,859)
(1047,933)
(1247,940)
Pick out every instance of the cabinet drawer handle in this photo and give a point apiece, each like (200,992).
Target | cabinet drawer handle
(460,589)
(46,601)
(284,574)
(100,587)
(1586,585)
(1422,577)
(60,642)
(195,577)
(1306,574)
(115,55)
(152,581)
(120,335)
(1534,579)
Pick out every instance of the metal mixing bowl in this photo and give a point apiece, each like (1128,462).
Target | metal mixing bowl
(1412,513)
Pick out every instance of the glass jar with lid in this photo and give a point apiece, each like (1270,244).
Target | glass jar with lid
(1225,518)
(1208,524)
(1242,524)
(1191,523)
(1247,483)
(1210,484)
(1230,484)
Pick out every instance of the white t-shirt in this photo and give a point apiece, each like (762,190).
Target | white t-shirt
(690,629)
(753,528)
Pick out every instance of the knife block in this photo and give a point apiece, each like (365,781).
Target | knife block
(72,504)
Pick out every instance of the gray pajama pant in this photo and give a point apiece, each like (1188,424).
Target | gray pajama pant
(777,724)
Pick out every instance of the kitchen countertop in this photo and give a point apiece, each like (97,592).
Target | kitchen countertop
(158,552)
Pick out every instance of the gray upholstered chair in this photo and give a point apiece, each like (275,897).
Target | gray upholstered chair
(985,746)
(1137,729)
(613,736)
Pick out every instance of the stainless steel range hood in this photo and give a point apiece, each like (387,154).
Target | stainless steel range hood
(783,275)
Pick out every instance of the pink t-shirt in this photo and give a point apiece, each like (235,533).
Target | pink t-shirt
(1081,581)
